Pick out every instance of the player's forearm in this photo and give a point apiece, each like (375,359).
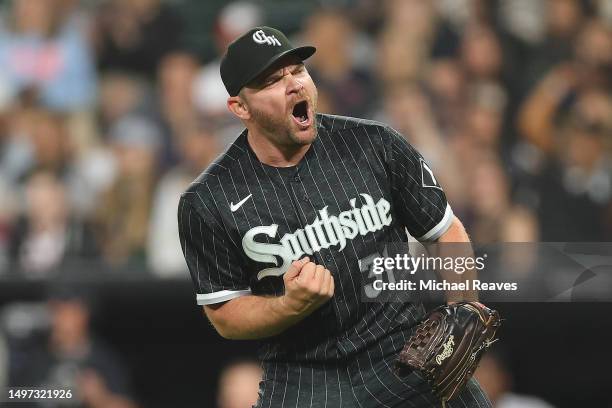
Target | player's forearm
(456,243)
(307,287)
(252,317)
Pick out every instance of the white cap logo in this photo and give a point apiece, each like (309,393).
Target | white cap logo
(260,37)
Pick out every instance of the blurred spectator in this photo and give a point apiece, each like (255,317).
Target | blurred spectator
(42,140)
(176,109)
(481,53)
(496,380)
(35,139)
(493,217)
(593,54)
(123,214)
(121,94)
(134,35)
(50,144)
(175,80)
(580,184)
(209,93)
(198,146)
(48,235)
(94,172)
(448,86)
(484,115)
(72,358)
(239,385)
(489,63)
(345,88)
(43,54)
(233,20)
(414,23)
(563,19)
(536,118)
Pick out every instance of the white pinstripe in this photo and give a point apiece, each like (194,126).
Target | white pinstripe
(312,384)
(339,385)
(286,382)
(297,400)
(273,384)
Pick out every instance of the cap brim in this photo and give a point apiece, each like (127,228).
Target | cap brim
(303,53)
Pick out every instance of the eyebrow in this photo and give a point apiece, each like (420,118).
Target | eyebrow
(277,73)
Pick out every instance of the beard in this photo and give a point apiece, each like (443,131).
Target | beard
(281,128)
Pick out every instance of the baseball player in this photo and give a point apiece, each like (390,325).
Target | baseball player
(274,230)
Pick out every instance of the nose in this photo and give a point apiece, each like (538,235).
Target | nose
(294,86)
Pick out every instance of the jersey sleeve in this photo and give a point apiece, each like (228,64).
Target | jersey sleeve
(418,198)
(211,256)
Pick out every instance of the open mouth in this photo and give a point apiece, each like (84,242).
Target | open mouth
(300,113)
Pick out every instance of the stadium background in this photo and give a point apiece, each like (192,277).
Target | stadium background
(109,108)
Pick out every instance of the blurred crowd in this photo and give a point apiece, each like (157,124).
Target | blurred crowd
(107,114)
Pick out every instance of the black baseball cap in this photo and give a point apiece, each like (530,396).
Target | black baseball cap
(253,52)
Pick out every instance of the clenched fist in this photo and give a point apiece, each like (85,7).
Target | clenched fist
(307,287)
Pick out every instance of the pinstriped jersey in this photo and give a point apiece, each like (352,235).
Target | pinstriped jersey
(360,184)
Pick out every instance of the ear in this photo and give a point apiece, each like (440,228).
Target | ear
(238,107)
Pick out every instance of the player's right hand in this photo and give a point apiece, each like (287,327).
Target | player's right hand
(307,286)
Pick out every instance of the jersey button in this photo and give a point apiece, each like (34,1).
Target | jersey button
(329,258)
(297,179)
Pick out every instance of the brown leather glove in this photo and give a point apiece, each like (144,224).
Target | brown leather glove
(446,347)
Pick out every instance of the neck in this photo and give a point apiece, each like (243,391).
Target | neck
(273,154)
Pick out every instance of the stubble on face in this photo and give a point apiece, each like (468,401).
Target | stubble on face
(280,128)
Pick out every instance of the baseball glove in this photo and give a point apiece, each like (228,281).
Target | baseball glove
(446,347)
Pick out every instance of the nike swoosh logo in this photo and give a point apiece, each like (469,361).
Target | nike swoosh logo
(236,206)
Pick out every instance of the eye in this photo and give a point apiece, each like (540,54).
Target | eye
(299,69)
(272,80)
